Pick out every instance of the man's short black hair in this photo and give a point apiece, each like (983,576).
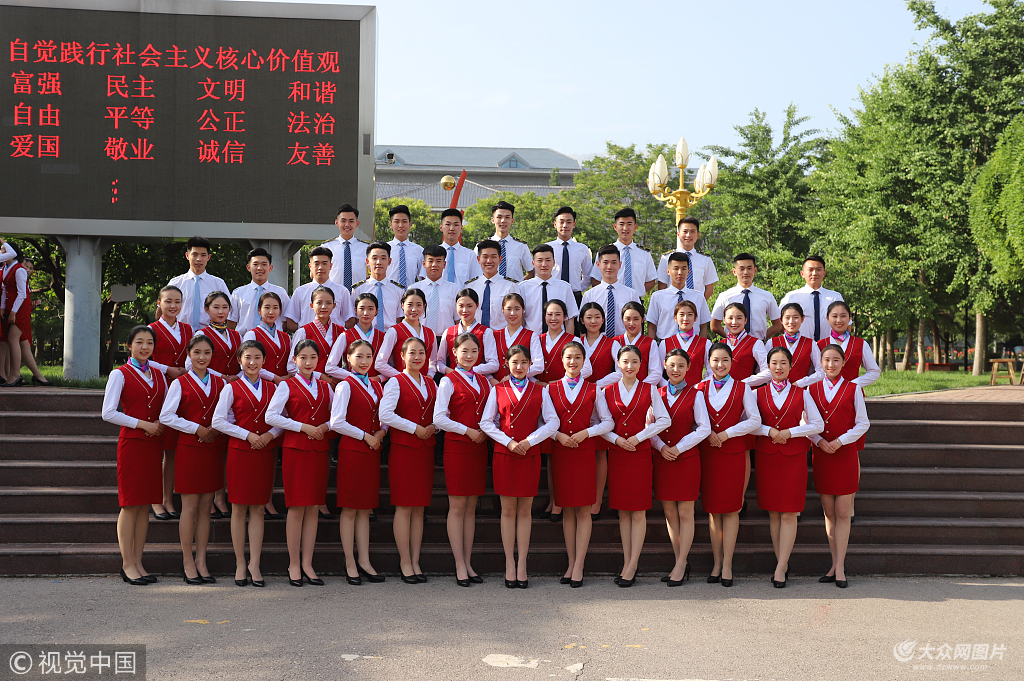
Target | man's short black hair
(488,243)
(503,205)
(679,256)
(257,252)
(197,242)
(814,258)
(745,256)
(400,208)
(434,251)
(321,250)
(626,213)
(689,221)
(610,249)
(347,208)
(543,248)
(381,245)
(451,213)
(565,210)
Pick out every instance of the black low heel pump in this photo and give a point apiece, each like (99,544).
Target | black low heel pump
(133,582)
(252,581)
(192,581)
(374,579)
(686,577)
(310,580)
(511,584)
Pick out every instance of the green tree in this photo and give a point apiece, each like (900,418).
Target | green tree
(425,225)
(997,206)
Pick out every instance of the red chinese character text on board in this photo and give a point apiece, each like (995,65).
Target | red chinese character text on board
(19,50)
(232,120)
(22,83)
(49,84)
(227,58)
(323,153)
(22,146)
(235,89)
(97,49)
(209,120)
(208,86)
(123,55)
(233,151)
(323,124)
(71,53)
(144,87)
(49,146)
(141,150)
(298,155)
(299,91)
(150,56)
(117,85)
(117,113)
(303,61)
(209,152)
(328,62)
(298,122)
(49,115)
(325,92)
(175,58)
(142,117)
(278,60)
(45,51)
(23,114)
(202,54)
(252,60)
(116,148)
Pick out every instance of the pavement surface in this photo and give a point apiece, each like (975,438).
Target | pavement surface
(438,630)
(986,393)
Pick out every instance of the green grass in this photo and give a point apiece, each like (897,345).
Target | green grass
(896,382)
(55,375)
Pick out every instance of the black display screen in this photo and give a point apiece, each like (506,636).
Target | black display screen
(146,116)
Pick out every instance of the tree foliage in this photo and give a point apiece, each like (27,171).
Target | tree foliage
(997,206)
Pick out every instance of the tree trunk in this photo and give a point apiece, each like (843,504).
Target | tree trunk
(909,352)
(890,350)
(980,344)
(936,342)
(922,354)
(109,344)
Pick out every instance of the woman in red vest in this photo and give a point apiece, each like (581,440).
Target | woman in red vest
(686,338)
(584,418)
(466,304)
(461,397)
(633,405)
(512,307)
(788,417)
(199,457)
(363,329)
(302,407)
(835,456)
(322,331)
(857,350)
(169,355)
(806,354)
(407,408)
(518,416)
(724,457)
(139,388)
(749,356)
(241,414)
(355,415)
(390,362)
(633,316)
(677,460)
(598,347)
(272,337)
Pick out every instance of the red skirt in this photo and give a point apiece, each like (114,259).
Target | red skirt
(170,439)
(465,468)
(23,319)
(781,482)
(358,478)
(574,474)
(251,475)
(517,476)
(411,475)
(305,475)
(198,470)
(677,480)
(837,473)
(630,479)
(140,477)
(721,481)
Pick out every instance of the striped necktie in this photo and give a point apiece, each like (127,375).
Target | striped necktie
(401,263)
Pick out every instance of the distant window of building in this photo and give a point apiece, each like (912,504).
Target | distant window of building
(512,163)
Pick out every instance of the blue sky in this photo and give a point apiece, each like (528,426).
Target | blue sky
(571,75)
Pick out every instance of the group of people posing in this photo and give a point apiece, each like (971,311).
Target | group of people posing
(501,355)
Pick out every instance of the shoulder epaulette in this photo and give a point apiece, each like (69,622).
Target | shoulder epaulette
(359,283)
(472,280)
(642,248)
(396,283)
(514,281)
(668,252)
(519,240)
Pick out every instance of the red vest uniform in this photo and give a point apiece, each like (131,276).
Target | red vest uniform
(645,343)
(276,361)
(363,412)
(324,347)
(681,413)
(554,370)
(225,353)
(781,418)
(376,340)
(250,413)
(730,414)
(573,416)
(466,405)
(140,400)
(453,332)
(840,414)
(518,419)
(413,407)
(601,359)
(302,407)
(696,352)
(170,350)
(524,338)
(854,355)
(801,356)
(403,334)
(630,418)
(743,360)
(196,406)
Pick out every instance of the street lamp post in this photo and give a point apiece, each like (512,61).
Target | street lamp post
(681,199)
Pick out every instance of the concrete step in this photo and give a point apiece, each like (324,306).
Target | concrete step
(751,562)
(946,431)
(946,410)
(61,448)
(51,399)
(55,423)
(919,454)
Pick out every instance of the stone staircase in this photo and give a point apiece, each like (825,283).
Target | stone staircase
(942,492)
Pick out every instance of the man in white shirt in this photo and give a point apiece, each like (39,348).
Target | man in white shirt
(609,294)
(300,311)
(491,287)
(348,264)
(813,298)
(538,290)
(760,304)
(516,263)
(407,256)
(245,300)
(637,270)
(702,275)
(441,294)
(461,263)
(196,284)
(388,293)
(661,310)
(572,259)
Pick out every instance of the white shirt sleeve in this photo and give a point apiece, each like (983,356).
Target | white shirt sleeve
(336,360)
(489,420)
(169,413)
(536,357)
(490,350)
(388,402)
(275,410)
(381,363)
(752,417)
(601,420)
(339,413)
(873,372)
(21,281)
(811,423)
(587,370)
(548,423)
(702,422)
(300,335)
(661,420)
(112,398)
(860,422)
(817,374)
(654,365)
(764,374)
(6,253)
(441,365)
(441,411)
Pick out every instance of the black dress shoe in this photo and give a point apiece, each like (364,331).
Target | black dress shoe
(714,579)
(595,516)
(726,582)
(162,516)
(555,517)
(376,579)
(354,581)
(665,578)
(242,582)
(328,516)
(826,579)
(421,578)
(842,583)
(410,579)
(174,514)
(476,579)
(296,582)
(511,584)
(545,515)
(133,582)
(43,383)
(273,516)
(565,580)
(150,579)
(15,384)
(223,514)
(373,517)
(310,580)
(463,582)
(208,579)
(522,583)
(626,583)
(576,585)
(252,581)
(618,578)
(192,581)
(216,514)
(779,585)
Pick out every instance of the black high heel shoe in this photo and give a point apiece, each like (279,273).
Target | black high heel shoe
(192,581)
(208,579)
(242,582)
(726,582)
(150,579)
(296,582)
(15,384)
(576,585)
(522,583)
(782,584)
(260,584)
(375,579)
(511,584)
(42,383)
(133,582)
(160,516)
(555,517)
(267,515)
(714,579)
(410,579)
(310,580)
(354,581)
(842,583)
(565,580)
(826,579)
(686,577)
(421,578)
(327,516)
(476,579)
(626,583)
(463,582)
(174,514)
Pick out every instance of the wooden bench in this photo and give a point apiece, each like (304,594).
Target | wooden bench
(996,363)
(939,366)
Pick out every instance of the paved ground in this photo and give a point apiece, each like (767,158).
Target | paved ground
(396,631)
(987,393)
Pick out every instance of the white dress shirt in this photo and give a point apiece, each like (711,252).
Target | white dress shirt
(300,309)
(490,362)
(299,336)
(446,294)
(392,294)
(701,423)
(872,370)
(224,412)
(357,249)
(518,259)
(532,291)
(811,422)
(760,352)
(339,410)
(703,267)
(580,259)
(169,412)
(860,423)
(657,416)
(337,362)
(622,294)
(245,303)
(816,373)
(762,302)
(547,424)
(661,310)
(601,420)
(382,362)
(751,417)
(442,414)
(641,265)
(500,287)
(112,397)
(686,345)
(466,265)
(277,415)
(207,285)
(413,261)
(389,401)
(805,297)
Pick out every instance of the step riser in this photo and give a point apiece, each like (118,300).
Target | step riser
(49,400)
(58,451)
(937,411)
(66,424)
(941,433)
(940,456)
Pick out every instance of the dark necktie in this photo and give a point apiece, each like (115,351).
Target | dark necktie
(544,307)
(817,315)
(565,262)
(746,304)
(347,271)
(485,312)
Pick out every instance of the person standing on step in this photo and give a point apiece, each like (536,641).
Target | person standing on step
(348,264)
(16,322)
(274,339)
(538,290)
(702,275)
(514,333)
(139,389)
(363,329)
(610,294)
(245,306)
(857,350)
(461,264)
(836,454)
(637,271)
(406,255)
(806,354)
(633,334)
(813,299)
(758,305)
(598,347)
(197,284)
(516,263)
(749,355)
(299,313)
(491,287)
(322,331)
(686,338)
(459,406)
(387,291)
(572,259)
(200,453)
(466,304)
(390,362)
(661,321)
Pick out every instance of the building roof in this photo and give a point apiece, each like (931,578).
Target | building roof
(439,199)
(476,157)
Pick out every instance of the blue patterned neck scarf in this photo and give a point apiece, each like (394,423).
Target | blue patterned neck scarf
(720,383)
(141,366)
(678,387)
(363,378)
(518,383)
(205,380)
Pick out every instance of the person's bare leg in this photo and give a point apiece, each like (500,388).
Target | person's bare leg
(255,541)
(774,522)
(569,534)
(363,539)
(469,534)
(416,538)
(730,529)
(637,534)
(29,359)
(347,528)
(844,511)
(126,520)
(456,533)
(402,529)
(187,531)
(509,513)
(584,526)
(203,532)
(310,521)
(625,536)
(715,530)
(828,506)
(238,538)
(672,521)
(168,504)
(293,530)
(787,538)
(684,516)
(5,359)
(141,528)
(14,343)
(602,479)
(524,525)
